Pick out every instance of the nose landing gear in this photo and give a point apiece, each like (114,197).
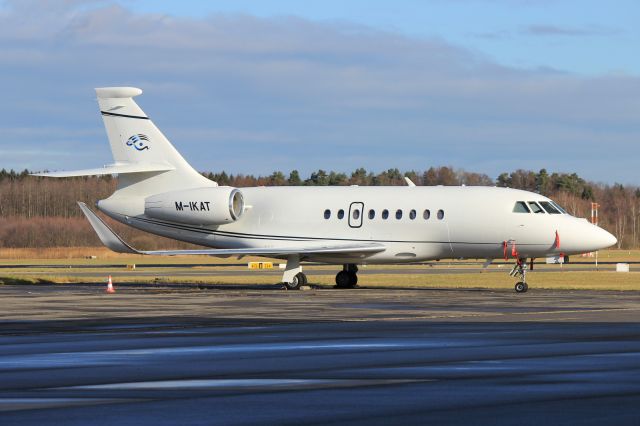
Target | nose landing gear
(293,277)
(520,271)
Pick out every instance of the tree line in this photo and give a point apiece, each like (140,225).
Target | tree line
(42,212)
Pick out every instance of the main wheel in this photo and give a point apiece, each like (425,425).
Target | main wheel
(299,280)
(346,279)
(343,279)
(521,287)
(354,279)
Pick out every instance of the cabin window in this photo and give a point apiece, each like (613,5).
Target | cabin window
(356,214)
(372,214)
(440,214)
(426,214)
(521,207)
(327,214)
(340,214)
(385,214)
(398,214)
(535,207)
(549,207)
(412,214)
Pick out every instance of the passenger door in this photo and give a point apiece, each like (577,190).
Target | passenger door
(356,211)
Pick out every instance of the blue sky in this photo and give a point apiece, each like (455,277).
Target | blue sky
(257,86)
(582,36)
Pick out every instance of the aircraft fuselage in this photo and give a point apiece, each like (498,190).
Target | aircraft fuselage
(414,223)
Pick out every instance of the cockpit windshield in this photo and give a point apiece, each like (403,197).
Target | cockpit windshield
(549,207)
(556,205)
(535,207)
(541,207)
(520,207)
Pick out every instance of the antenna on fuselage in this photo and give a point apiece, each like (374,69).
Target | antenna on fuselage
(409,181)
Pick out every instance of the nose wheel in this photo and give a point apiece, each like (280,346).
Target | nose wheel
(293,278)
(299,280)
(521,287)
(520,271)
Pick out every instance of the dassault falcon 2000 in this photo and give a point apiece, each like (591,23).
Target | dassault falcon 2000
(160,193)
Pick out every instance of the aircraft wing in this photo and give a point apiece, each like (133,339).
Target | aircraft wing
(117,244)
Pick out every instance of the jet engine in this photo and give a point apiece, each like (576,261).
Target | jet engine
(200,206)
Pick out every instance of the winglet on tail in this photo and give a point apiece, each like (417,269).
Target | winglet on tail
(105,233)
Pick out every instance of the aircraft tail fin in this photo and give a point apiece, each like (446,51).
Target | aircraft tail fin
(145,160)
(132,135)
(135,140)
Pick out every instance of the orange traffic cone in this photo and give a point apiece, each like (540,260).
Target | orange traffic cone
(110,288)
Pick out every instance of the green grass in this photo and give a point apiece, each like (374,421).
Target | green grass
(77,256)
(547,280)
(571,280)
(605,279)
(27,280)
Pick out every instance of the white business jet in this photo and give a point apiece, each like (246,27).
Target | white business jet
(160,193)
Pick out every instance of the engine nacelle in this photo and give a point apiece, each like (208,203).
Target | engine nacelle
(200,206)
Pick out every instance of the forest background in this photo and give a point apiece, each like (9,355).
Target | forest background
(42,212)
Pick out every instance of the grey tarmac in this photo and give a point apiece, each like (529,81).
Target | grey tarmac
(71,354)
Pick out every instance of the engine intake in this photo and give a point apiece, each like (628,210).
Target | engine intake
(200,206)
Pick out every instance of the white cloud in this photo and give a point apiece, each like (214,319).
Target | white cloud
(555,30)
(289,93)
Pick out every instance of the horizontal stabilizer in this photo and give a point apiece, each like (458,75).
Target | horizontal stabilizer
(112,169)
(117,244)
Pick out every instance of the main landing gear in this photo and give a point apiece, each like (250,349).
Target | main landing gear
(347,278)
(293,277)
(520,271)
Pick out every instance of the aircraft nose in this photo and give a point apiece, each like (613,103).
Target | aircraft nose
(603,238)
(609,239)
(582,236)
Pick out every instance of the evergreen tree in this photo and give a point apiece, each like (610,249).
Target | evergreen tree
(294,178)
(276,179)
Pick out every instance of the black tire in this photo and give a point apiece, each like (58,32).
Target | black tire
(299,280)
(303,279)
(343,279)
(521,287)
(354,279)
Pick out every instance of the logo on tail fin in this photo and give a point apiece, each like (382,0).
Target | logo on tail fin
(139,142)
